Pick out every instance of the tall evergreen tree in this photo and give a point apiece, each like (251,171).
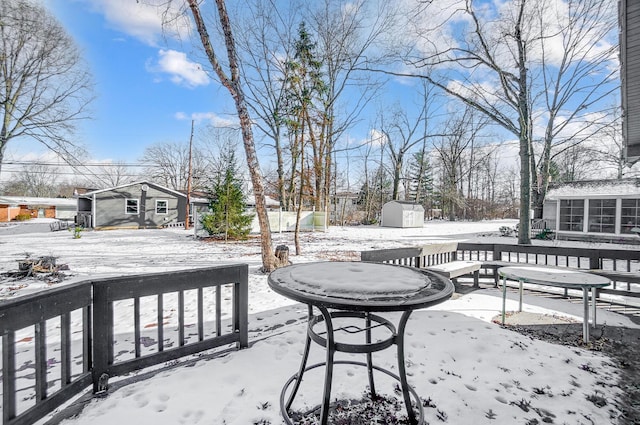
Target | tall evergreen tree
(421,179)
(228,217)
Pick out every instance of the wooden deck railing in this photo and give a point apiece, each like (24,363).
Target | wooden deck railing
(56,343)
(621,266)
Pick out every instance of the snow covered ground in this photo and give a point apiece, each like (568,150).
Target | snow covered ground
(466,368)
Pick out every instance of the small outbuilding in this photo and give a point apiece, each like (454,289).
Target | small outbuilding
(402,214)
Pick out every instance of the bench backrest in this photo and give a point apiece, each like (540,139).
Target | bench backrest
(420,256)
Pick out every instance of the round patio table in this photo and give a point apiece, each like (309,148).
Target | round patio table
(355,290)
(559,277)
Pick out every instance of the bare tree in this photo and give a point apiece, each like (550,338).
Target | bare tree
(167,164)
(453,148)
(36,180)
(45,87)
(116,174)
(609,149)
(267,41)
(528,62)
(231,80)
(342,36)
(346,38)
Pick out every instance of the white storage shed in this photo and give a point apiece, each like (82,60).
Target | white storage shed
(402,214)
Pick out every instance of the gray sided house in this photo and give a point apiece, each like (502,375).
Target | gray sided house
(402,214)
(140,205)
(630,76)
(603,210)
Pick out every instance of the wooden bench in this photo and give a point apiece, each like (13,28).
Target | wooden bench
(439,257)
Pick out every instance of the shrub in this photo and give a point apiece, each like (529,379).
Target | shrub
(77,231)
(23,217)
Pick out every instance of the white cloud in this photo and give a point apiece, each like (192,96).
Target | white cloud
(180,69)
(135,18)
(376,137)
(210,117)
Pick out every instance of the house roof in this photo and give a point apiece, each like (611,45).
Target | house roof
(29,200)
(594,188)
(175,192)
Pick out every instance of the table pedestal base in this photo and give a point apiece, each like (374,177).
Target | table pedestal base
(327,340)
(285,412)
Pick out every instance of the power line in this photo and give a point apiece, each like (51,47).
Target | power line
(58,164)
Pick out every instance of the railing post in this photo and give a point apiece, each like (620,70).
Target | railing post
(595,260)
(101,332)
(8,376)
(240,313)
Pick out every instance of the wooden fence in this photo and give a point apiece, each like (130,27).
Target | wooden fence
(56,343)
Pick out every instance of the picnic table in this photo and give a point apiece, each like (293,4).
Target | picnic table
(559,277)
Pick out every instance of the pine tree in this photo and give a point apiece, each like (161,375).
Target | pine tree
(421,180)
(228,217)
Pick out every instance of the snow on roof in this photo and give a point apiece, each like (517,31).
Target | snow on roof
(141,183)
(406,205)
(28,200)
(595,188)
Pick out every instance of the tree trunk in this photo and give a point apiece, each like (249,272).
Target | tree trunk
(234,87)
(524,114)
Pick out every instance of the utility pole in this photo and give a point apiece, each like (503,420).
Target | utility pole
(186,219)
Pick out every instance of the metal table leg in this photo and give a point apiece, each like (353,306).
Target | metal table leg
(328,377)
(372,385)
(402,372)
(303,365)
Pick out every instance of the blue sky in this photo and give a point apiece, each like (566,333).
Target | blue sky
(148,87)
(145,91)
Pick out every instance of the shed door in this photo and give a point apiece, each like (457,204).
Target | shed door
(408,219)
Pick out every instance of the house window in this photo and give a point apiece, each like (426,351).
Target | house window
(162,206)
(131,206)
(630,215)
(572,214)
(602,215)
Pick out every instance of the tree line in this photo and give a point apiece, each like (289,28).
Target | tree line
(302,76)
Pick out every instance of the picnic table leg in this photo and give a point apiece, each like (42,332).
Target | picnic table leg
(504,298)
(520,285)
(594,305)
(585,318)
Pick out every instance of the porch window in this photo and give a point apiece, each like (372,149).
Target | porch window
(162,206)
(131,206)
(572,214)
(602,215)
(630,215)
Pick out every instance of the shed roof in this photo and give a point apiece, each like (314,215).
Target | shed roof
(407,205)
